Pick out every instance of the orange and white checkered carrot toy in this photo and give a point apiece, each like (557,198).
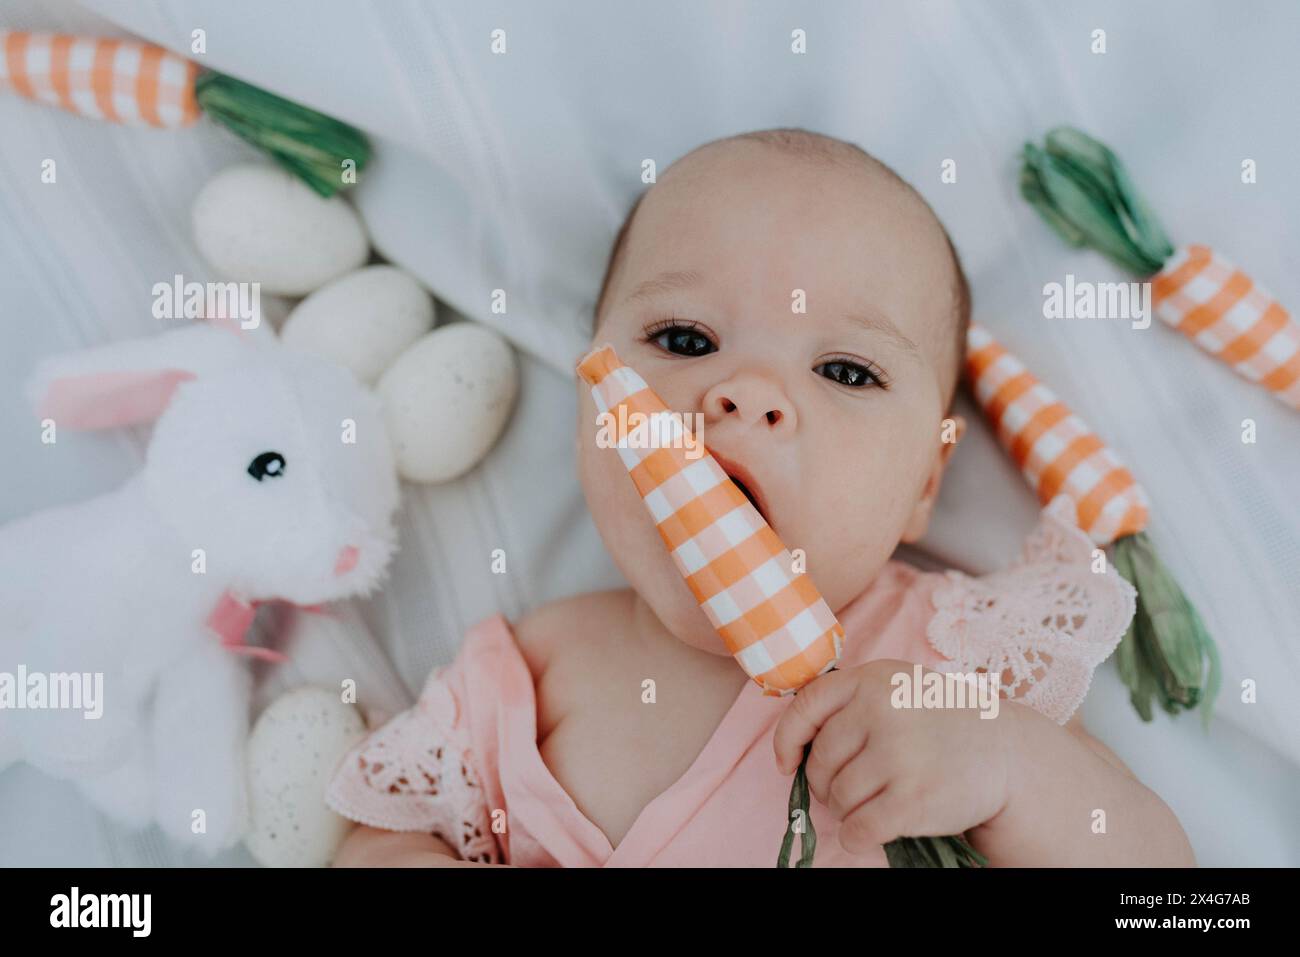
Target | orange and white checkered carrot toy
(771,618)
(1217,306)
(1051,445)
(141,84)
(124,81)
(1166,652)
(1083,192)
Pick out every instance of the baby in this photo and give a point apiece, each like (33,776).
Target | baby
(808,304)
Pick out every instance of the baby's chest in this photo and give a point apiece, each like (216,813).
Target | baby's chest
(617,749)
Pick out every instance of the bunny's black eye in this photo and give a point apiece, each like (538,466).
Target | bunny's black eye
(267,465)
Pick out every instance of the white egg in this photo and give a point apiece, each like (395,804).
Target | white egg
(362,320)
(292,753)
(257,223)
(446,400)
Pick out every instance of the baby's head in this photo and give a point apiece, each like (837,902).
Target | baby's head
(808,302)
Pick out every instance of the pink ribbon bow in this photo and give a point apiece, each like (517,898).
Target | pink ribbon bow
(231,618)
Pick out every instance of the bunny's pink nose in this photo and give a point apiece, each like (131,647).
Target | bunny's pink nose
(347,560)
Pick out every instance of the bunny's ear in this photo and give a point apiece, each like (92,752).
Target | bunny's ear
(126,383)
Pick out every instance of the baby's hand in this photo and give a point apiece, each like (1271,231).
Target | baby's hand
(888,772)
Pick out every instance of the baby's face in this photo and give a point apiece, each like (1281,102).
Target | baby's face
(831,417)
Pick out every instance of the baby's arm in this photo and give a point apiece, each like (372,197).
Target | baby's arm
(1062,776)
(372,847)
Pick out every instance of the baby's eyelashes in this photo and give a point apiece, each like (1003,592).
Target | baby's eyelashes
(681,337)
(691,339)
(852,373)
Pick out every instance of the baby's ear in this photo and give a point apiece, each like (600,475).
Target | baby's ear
(126,383)
(951,430)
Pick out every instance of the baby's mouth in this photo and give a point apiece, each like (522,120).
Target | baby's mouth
(747,484)
(749,495)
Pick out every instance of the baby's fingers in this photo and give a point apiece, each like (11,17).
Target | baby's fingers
(877,821)
(859,780)
(811,708)
(902,809)
(842,739)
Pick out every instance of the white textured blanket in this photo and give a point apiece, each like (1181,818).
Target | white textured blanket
(514,172)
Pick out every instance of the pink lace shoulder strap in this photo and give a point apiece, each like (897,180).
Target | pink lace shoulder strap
(415,773)
(1044,624)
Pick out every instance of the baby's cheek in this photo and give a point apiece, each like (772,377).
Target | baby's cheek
(849,555)
(636,547)
(857,518)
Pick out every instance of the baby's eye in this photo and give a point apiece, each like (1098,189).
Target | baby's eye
(848,373)
(681,338)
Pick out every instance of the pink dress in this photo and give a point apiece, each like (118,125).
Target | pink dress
(463,762)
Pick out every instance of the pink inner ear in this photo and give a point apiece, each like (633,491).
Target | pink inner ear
(107,399)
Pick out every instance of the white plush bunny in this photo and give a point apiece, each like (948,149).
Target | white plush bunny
(269,475)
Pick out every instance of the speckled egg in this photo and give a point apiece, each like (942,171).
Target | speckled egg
(446,400)
(292,753)
(362,321)
(257,223)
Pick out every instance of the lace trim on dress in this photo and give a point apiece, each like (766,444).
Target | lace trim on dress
(1044,624)
(416,773)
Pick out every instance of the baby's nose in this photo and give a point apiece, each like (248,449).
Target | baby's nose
(750,399)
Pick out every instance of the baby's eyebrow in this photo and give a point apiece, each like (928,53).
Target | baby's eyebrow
(878,322)
(685,278)
(664,282)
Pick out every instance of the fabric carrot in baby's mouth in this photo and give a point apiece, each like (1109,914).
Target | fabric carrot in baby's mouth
(772,619)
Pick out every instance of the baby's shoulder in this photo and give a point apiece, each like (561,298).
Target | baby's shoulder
(553,631)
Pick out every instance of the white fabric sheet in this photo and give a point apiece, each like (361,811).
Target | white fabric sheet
(514,172)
